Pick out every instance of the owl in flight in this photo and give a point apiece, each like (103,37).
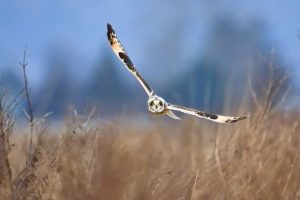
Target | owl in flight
(157,104)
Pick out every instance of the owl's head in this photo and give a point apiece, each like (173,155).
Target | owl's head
(156,104)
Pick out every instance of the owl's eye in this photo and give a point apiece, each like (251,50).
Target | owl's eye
(152,103)
(160,103)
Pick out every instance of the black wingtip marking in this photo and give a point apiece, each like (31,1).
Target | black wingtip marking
(109,28)
(110,31)
(231,120)
(236,119)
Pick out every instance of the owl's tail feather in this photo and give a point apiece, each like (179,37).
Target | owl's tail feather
(172,115)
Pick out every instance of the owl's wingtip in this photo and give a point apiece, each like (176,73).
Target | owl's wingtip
(109,27)
(236,119)
(110,31)
(244,117)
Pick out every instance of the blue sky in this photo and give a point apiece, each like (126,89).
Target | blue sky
(81,26)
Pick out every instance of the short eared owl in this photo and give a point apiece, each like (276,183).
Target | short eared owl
(157,104)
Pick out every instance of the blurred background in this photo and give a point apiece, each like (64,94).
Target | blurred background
(203,54)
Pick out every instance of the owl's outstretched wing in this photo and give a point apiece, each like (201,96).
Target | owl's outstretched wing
(209,116)
(121,53)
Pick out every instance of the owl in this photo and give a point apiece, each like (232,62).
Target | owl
(156,104)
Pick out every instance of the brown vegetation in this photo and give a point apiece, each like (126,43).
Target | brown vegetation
(190,159)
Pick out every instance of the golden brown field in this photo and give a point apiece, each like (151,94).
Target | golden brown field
(190,159)
(89,158)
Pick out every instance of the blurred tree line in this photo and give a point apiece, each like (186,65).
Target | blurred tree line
(217,80)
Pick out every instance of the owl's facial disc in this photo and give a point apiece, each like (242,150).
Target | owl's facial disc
(156,104)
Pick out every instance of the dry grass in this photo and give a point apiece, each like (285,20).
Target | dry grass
(257,158)
(190,159)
